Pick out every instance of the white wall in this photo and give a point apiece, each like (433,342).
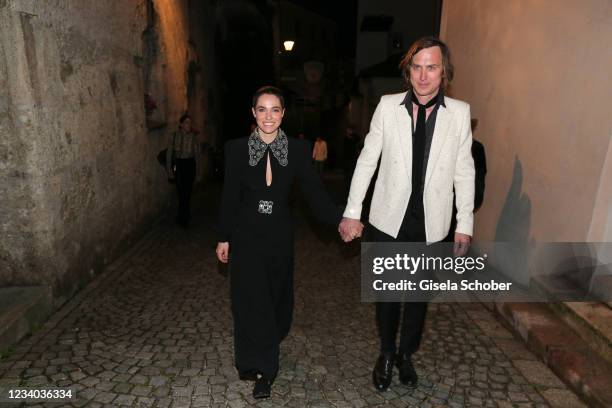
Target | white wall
(537,75)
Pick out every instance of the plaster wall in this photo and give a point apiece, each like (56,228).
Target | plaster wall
(537,78)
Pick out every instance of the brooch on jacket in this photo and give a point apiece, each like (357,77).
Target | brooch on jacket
(279,147)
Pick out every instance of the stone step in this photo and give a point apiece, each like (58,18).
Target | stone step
(22,310)
(592,321)
(562,349)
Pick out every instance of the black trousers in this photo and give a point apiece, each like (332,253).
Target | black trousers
(388,313)
(261,290)
(185,176)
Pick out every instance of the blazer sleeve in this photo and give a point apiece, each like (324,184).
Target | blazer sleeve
(317,196)
(464,179)
(366,165)
(230,198)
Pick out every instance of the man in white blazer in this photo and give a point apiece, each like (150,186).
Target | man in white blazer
(423,140)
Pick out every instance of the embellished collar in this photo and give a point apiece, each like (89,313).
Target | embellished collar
(279,147)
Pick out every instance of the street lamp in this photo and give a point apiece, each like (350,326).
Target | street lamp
(288,45)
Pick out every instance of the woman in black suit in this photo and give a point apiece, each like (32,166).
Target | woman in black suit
(255,223)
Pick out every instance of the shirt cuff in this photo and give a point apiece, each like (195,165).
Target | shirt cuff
(352,212)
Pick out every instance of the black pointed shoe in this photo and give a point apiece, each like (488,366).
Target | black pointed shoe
(383,371)
(407,373)
(262,388)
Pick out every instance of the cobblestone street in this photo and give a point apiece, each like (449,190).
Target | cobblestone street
(156,330)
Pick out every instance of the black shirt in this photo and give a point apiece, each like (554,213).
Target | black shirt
(430,125)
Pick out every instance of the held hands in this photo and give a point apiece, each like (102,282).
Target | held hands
(350,229)
(462,244)
(222,251)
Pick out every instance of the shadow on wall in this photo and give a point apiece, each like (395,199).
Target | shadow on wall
(515,218)
(564,271)
(513,226)
(573,276)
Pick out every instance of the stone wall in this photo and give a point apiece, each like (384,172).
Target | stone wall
(78,172)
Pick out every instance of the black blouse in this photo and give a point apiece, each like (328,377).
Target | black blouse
(249,204)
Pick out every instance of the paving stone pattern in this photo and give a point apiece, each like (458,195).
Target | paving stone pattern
(155,330)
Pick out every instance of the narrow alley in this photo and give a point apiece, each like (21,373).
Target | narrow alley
(112,113)
(156,330)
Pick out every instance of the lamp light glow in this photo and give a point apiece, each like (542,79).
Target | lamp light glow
(288,45)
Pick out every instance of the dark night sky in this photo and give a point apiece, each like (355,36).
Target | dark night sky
(245,51)
(343,12)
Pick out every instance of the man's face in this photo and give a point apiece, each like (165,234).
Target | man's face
(426,72)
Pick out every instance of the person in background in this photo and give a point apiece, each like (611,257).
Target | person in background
(301,136)
(184,150)
(480,165)
(319,154)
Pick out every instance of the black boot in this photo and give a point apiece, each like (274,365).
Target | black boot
(383,371)
(262,388)
(407,374)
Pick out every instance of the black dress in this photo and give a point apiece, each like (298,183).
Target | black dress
(255,218)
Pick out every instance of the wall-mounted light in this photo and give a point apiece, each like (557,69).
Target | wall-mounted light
(288,45)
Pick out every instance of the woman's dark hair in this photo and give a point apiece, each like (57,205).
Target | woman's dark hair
(269,90)
(184,118)
(421,44)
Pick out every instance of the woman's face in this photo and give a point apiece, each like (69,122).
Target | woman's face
(186,125)
(268,113)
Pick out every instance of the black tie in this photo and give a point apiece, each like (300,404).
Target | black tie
(418,156)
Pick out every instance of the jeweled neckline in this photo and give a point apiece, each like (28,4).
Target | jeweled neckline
(279,147)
